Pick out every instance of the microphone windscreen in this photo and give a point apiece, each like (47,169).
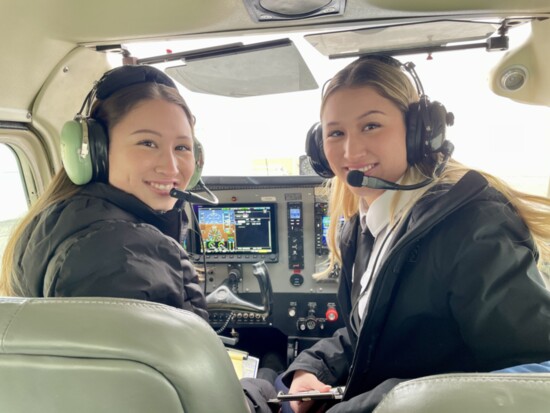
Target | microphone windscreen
(355,178)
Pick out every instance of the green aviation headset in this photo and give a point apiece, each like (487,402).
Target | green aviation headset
(84,140)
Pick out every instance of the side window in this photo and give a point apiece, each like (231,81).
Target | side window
(14,199)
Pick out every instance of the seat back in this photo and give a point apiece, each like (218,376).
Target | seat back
(111,355)
(471,393)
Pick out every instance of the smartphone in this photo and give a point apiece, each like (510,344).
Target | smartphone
(336,393)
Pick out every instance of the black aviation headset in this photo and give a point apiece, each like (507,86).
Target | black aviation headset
(84,140)
(426,123)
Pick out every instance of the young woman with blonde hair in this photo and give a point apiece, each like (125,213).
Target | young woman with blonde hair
(438,262)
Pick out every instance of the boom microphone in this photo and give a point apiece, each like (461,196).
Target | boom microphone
(194,198)
(358,180)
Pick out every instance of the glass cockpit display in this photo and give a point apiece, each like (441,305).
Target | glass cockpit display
(322,223)
(236,230)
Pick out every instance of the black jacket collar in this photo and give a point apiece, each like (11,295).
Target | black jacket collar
(172,223)
(437,203)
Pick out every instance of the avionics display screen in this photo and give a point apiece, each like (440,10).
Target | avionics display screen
(322,224)
(325,222)
(237,229)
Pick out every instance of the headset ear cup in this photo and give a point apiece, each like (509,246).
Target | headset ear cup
(438,119)
(316,153)
(198,153)
(426,127)
(76,159)
(99,151)
(414,135)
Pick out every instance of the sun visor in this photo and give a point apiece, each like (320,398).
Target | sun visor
(522,7)
(245,70)
(400,37)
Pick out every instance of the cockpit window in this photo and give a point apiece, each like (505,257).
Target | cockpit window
(265,135)
(14,204)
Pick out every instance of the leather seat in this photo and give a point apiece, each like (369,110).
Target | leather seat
(111,355)
(471,393)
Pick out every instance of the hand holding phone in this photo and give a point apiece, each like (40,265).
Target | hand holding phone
(335,393)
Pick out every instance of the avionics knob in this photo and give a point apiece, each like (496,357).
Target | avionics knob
(331,314)
(311,323)
(292,311)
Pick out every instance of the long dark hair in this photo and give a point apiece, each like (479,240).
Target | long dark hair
(109,113)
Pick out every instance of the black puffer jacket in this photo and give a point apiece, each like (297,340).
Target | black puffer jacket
(458,290)
(105,242)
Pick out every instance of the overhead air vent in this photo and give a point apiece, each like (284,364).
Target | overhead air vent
(513,78)
(275,10)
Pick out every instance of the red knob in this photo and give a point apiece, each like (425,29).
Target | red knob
(331,314)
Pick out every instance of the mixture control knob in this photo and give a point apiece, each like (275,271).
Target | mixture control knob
(331,314)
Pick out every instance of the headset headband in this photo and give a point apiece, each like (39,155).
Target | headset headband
(392,61)
(124,76)
(119,78)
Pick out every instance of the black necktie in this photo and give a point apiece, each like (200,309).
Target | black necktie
(365,241)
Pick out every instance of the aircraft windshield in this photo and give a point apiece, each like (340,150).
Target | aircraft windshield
(265,135)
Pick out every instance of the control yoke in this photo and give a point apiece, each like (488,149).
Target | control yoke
(222,298)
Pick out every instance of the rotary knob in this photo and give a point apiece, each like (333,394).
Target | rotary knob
(331,314)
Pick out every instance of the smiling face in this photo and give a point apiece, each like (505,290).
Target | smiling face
(364,131)
(151,152)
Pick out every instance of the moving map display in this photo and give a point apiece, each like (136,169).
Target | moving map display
(237,229)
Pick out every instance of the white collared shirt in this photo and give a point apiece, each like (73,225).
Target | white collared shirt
(377,219)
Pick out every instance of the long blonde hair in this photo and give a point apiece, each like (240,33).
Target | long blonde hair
(393,84)
(108,113)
